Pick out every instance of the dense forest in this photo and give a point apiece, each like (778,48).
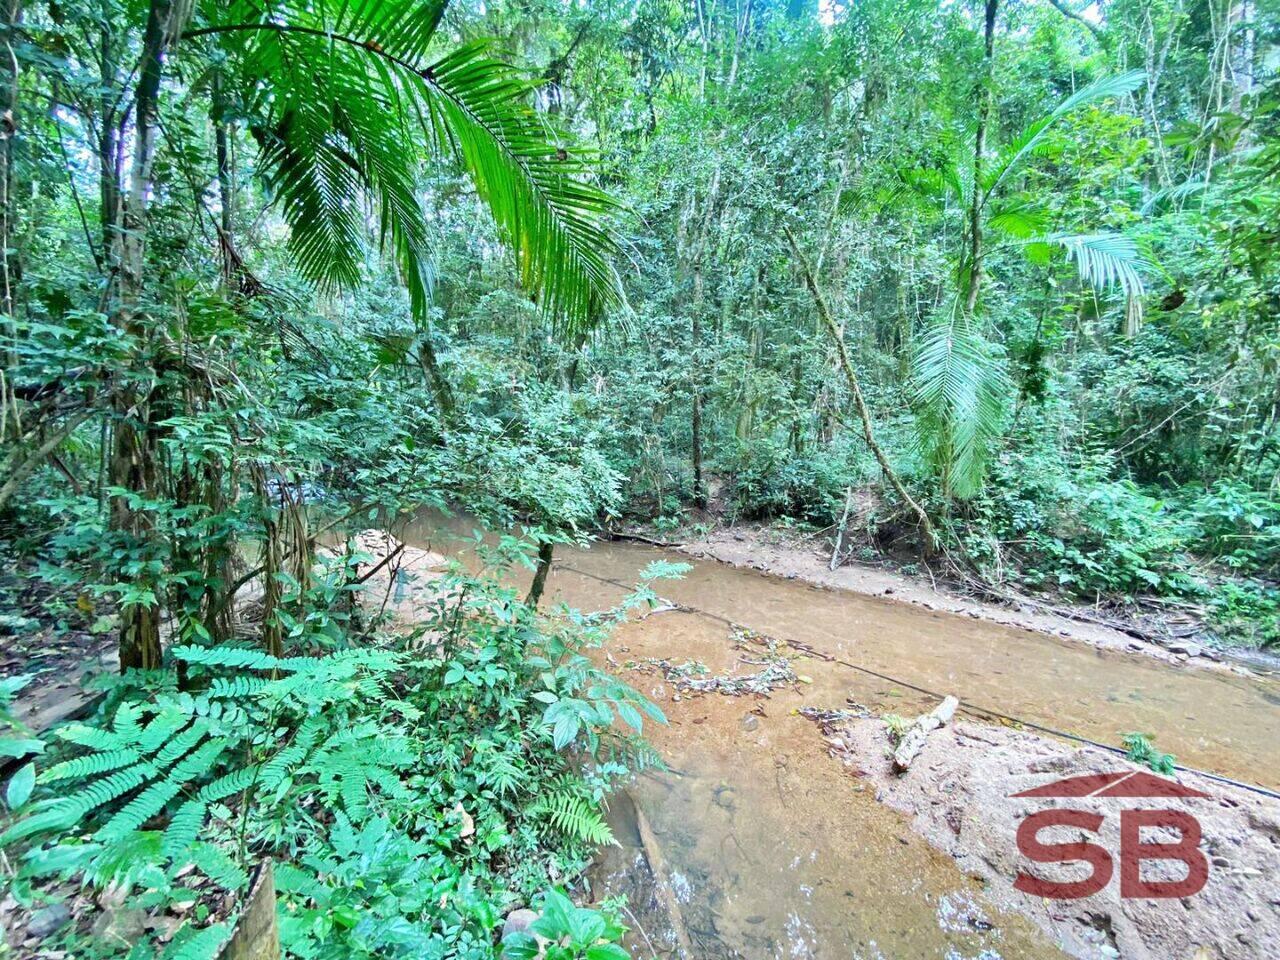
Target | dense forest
(989,289)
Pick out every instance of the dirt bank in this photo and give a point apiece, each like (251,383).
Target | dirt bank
(958,794)
(794,556)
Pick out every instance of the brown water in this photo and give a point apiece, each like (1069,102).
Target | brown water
(770,848)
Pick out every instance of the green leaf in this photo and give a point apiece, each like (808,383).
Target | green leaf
(20,748)
(586,926)
(20,786)
(519,945)
(607,951)
(565,729)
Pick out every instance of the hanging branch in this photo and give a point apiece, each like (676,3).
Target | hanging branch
(868,433)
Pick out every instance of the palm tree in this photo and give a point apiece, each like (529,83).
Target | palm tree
(960,384)
(345,99)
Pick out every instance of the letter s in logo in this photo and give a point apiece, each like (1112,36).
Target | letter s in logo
(1038,852)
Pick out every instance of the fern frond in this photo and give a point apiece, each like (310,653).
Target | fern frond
(243,658)
(575,817)
(235,782)
(203,944)
(218,867)
(237,688)
(183,829)
(93,738)
(92,765)
(138,810)
(180,745)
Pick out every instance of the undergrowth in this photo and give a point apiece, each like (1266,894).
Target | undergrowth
(409,791)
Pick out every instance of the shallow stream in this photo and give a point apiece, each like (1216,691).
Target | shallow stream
(771,849)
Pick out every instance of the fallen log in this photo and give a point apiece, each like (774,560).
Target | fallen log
(912,741)
(662,882)
(640,538)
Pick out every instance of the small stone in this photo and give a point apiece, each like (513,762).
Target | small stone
(725,798)
(120,926)
(1186,647)
(1108,951)
(750,723)
(518,921)
(48,921)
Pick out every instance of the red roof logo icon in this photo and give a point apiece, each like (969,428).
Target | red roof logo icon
(1120,784)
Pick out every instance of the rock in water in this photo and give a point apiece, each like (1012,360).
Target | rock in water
(48,921)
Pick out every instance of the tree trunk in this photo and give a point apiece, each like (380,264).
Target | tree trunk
(8,130)
(699,487)
(539,584)
(435,376)
(979,146)
(133,464)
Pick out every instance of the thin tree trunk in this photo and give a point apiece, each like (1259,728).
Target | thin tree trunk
(699,486)
(695,360)
(545,550)
(435,376)
(8,130)
(868,433)
(133,464)
(979,146)
(16,470)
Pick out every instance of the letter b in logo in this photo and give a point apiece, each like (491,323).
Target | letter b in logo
(1187,849)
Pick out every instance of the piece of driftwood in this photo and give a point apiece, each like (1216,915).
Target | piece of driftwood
(912,741)
(662,606)
(662,881)
(255,936)
(640,538)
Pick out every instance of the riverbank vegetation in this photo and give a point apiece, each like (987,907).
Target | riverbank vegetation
(987,286)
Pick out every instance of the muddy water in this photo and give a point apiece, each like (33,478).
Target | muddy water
(1219,722)
(768,847)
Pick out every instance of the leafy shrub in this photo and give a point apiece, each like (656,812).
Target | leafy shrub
(1246,612)
(1239,526)
(1141,750)
(772,480)
(574,933)
(1072,528)
(407,797)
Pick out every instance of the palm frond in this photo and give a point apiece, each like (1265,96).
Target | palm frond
(535,188)
(1018,219)
(345,98)
(1033,137)
(1103,259)
(1174,194)
(960,388)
